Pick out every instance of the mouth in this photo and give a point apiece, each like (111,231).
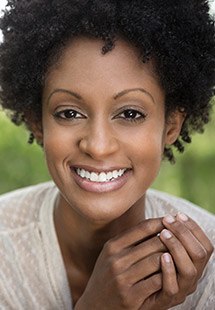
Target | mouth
(100,177)
(101,181)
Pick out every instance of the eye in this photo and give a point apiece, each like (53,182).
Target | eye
(132,115)
(68,114)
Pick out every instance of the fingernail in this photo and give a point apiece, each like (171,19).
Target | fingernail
(166,258)
(182,217)
(166,234)
(169,219)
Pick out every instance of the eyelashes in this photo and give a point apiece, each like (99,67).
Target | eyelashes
(68,114)
(131,115)
(127,115)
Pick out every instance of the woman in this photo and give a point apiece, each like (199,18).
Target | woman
(107,88)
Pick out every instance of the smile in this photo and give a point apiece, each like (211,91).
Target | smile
(101,181)
(101,177)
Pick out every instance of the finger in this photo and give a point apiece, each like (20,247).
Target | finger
(148,247)
(135,235)
(170,284)
(142,250)
(129,257)
(184,265)
(168,295)
(196,231)
(143,289)
(143,269)
(194,248)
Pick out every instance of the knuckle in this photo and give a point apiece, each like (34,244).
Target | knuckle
(149,226)
(155,283)
(156,242)
(123,293)
(121,286)
(180,228)
(193,288)
(173,242)
(178,300)
(210,249)
(146,226)
(115,266)
(181,299)
(155,260)
(201,255)
(110,247)
(172,291)
(125,303)
(193,225)
(191,273)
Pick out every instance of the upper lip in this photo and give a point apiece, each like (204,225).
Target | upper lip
(100,169)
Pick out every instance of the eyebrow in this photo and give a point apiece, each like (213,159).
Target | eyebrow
(59,90)
(118,95)
(126,91)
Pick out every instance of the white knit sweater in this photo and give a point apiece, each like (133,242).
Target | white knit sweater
(32,273)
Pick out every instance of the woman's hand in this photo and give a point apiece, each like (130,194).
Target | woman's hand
(137,271)
(127,271)
(190,251)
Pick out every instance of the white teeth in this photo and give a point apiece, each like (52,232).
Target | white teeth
(87,174)
(94,177)
(109,175)
(115,174)
(82,173)
(102,176)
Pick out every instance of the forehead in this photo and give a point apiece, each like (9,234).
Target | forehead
(82,65)
(85,50)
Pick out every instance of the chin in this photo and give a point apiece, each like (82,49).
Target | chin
(105,208)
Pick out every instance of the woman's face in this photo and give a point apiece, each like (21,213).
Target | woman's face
(104,128)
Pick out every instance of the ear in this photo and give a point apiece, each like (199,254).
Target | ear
(37,130)
(174,123)
(35,126)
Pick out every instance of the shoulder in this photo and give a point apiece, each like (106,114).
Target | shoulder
(161,203)
(21,207)
(25,264)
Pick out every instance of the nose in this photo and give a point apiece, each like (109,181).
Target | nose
(99,141)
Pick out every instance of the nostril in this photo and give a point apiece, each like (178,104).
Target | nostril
(97,146)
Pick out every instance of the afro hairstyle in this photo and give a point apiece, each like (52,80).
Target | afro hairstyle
(177,35)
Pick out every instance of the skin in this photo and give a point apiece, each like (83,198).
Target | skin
(114,258)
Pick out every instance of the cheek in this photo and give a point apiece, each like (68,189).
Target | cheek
(148,154)
(57,141)
(145,152)
(57,147)
(148,143)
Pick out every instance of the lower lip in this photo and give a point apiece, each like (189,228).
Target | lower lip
(101,187)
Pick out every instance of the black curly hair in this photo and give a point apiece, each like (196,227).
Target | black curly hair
(178,35)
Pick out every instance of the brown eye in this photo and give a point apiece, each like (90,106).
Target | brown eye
(68,114)
(132,115)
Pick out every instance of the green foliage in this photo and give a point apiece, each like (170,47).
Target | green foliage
(192,177)
(21,164)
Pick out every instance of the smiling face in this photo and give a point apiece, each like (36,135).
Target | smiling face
(104,129)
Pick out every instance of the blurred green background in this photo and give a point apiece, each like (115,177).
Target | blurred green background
(192,177)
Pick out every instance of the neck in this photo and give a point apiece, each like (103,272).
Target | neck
(81,241)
